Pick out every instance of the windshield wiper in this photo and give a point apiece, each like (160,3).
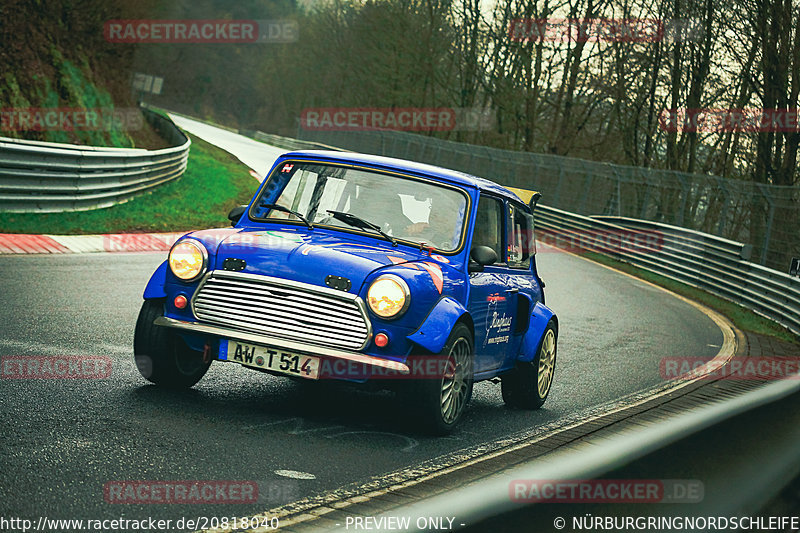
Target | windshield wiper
(358,222)
(277,207)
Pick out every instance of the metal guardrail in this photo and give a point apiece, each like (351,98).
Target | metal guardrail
(489,498)
(42,177)
(714,264)
(764,215)
(287,143)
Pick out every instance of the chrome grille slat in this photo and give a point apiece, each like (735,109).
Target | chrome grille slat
(282,308)
(263,326)
(292,321)
(216,299)
(262,293)
(261,317)
(323,298)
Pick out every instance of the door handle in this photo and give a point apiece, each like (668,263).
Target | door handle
(512,291)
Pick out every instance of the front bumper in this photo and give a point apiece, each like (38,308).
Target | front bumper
(285,344)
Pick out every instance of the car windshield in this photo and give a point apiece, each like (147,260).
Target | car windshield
(406,209)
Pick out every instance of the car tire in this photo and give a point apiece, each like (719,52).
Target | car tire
(528,385)
(161,355)
(442,398)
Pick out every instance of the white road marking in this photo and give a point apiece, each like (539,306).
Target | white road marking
(295,474)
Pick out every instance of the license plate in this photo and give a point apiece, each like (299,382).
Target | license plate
(253,355)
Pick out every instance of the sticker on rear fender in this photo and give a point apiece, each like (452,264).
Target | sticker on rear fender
(256,356)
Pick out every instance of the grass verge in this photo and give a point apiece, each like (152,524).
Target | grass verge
(742,317)
(214,182)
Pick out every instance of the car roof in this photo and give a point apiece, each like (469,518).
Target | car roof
(391,163)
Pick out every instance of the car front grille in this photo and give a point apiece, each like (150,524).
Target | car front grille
(281,308)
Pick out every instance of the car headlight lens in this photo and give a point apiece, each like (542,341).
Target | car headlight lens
(388,296)
(188,259)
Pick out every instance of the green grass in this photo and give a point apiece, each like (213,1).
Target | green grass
(70,88)
(214,182)
(742,317)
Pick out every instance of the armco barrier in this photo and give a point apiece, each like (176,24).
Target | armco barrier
(761,214)
(41,177)
(287,143)
(487,505)
(716,265)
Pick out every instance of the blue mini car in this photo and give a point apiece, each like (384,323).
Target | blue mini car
(361,268)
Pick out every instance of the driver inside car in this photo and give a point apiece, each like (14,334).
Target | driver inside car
(438,231)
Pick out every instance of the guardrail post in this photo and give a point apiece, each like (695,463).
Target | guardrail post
(557,195)
(646,199)
(587,188)
(770,217)
(684,198)
(618,179)
(723,217)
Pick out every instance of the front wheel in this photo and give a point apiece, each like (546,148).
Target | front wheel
(527,386)
(442,395)
(161,355)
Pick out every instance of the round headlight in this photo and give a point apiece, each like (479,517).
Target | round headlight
(188,259)
(388,296)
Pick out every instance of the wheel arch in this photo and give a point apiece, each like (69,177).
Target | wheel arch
(540,317)
(155,286)
(434,331)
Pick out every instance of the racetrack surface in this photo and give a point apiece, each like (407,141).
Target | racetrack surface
(62,440)
(254,154)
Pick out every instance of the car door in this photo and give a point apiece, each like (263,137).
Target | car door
(492,301)
(522,285)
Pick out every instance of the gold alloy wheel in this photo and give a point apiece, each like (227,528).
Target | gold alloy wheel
(455,381)
(547,359)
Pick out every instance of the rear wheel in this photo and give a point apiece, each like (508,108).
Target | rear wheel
(442,396)
(161,355)
(527,386)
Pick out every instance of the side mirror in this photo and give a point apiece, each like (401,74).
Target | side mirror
(535,200)
(236,213)
(481,256)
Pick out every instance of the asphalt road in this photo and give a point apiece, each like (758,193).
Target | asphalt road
(254,154)
(62,440)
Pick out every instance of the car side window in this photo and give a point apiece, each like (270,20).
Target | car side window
(489,226)
(520,245)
